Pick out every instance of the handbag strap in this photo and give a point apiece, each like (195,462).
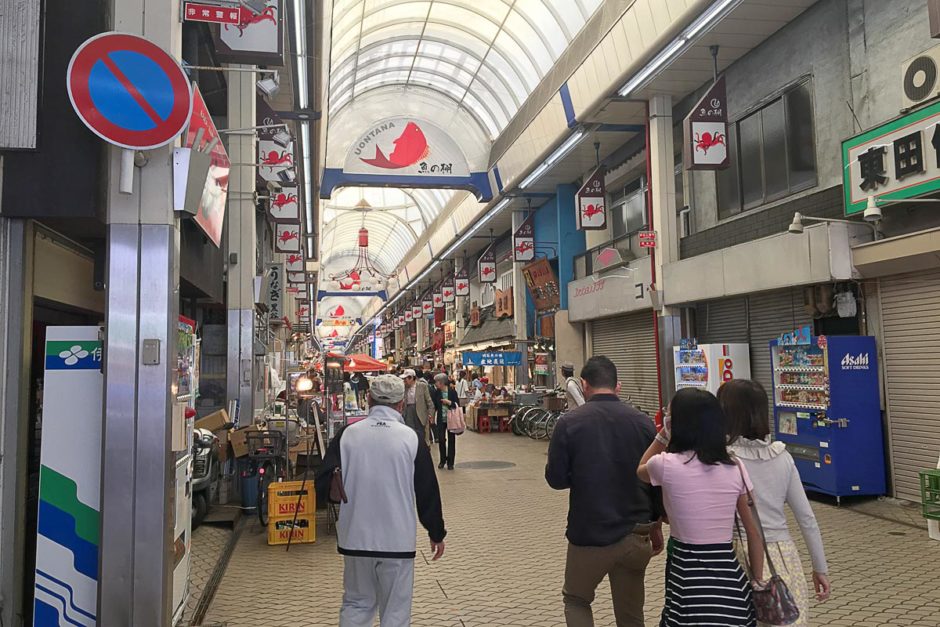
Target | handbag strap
(753,505)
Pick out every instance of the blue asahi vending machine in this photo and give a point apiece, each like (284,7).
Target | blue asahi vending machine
(827,410)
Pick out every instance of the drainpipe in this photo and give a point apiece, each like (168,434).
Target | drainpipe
(652,256)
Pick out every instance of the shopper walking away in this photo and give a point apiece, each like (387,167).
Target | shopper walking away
(446,400)
(613,527)
(702,489)
(463,388)
(776,482)
(418,405)
(574,394)
(386,472)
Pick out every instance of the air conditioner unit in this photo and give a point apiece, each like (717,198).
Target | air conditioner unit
(920,78)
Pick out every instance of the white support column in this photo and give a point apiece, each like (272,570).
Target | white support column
(135,585)
(242,243)
(519,312)
(663,182)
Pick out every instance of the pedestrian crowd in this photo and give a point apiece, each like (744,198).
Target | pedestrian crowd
(711,473)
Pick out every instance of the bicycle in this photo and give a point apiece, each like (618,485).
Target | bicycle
(267,452)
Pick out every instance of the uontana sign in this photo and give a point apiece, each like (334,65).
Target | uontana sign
(406,146)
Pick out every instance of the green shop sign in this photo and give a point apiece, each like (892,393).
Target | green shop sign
(895,161)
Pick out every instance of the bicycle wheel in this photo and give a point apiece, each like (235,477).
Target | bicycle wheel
(550,424)
(538,423)
(529,420)
(265,478)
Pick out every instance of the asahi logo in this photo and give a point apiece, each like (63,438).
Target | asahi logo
(855,362)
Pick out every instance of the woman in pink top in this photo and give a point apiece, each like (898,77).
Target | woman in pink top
(702,490)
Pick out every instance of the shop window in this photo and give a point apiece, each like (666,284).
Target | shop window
(628,209)
(773,153)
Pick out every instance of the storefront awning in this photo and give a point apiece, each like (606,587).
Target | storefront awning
(503,329)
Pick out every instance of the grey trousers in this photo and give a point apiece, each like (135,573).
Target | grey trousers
(377,584)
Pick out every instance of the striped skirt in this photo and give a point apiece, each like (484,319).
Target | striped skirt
(705,585)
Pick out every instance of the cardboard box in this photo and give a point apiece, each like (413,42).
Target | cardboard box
(239,440)
(214,421)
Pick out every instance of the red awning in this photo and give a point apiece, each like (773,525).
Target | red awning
(363,363)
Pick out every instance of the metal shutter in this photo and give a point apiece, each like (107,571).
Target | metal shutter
(628,342)
(721,321)
(910,306)
(770,315)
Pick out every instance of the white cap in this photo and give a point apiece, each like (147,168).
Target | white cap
(408,372)
(387,388)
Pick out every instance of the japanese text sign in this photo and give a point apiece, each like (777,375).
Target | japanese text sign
(275,295)
(493,358)
(647,239)
(591,203)
(705,131)
(213,13)
(895,161)
(542,284)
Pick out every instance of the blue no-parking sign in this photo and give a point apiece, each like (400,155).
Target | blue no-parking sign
(129,91)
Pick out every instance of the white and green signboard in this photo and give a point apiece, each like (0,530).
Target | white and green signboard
(895,161)
(67,541)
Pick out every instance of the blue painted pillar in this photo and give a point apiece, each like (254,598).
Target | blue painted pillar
(571,242)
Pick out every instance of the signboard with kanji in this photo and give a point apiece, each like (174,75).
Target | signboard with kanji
(523,241)
(275,295)
(647,239)
(706,131)
(475,315)
(486,267)
(591,202)
(504,303)
(212,13)
(542,284)
(897,160)
(492,358)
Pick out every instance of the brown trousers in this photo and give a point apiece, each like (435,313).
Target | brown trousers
(624,563)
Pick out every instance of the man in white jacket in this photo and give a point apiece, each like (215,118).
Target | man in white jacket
(386,472)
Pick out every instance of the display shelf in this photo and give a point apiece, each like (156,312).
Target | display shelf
(800,386)
(802,405)
(800,369)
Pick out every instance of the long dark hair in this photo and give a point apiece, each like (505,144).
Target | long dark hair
(698,425)
(745,405)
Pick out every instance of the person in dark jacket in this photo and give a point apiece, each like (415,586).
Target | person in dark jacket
(445,398)
(387,474)
(614,524)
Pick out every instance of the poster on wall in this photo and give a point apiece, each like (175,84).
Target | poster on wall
(258,37)
(287,238)
(462,281)
(542,284)
(591,202)
(705,131)
(486,267)
(67,535)
(210,215)
(523,241)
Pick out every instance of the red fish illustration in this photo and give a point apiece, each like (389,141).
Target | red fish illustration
(287,236)
(592,210)
(334,333)
(282,200)
(410,147)
(337,312)
(274,158)
(354,275)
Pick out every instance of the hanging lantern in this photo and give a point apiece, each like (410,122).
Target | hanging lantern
(364,237)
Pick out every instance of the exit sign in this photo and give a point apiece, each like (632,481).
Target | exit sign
(214,13)
(647,239)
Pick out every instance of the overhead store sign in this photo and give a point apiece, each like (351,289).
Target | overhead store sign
(592,203)
(462,281)
(285,205)
(492,358)
(503,307)
(405,152)
(427,308)
(294,262)
(211,213)
(523,241)
(486,267)
(895,161)
(275,291)
(705,131)
(128,91)
(448,291)
(542,284)
(406,146)
(257,38)
(287,238)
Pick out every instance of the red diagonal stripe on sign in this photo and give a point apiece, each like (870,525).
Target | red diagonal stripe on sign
(131,89)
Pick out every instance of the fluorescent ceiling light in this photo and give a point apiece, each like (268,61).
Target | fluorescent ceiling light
(558,154)
(300,45)
(708,18)
(472,231)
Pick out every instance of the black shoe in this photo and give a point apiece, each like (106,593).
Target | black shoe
(441,465)
(450,468)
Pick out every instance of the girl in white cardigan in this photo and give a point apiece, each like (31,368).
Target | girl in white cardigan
(776,482)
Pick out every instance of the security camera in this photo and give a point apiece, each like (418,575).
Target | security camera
(273,186)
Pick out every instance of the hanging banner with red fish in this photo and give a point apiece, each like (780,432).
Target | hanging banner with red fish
(405,146)
(591,205)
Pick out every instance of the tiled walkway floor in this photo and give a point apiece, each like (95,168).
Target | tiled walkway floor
(505,560)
